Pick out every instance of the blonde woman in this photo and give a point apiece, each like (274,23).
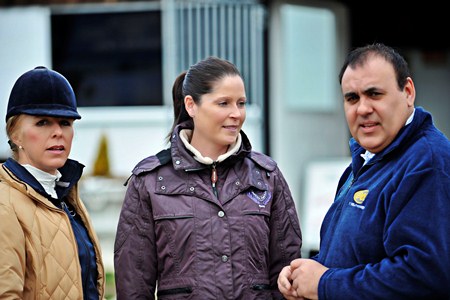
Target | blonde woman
(48,247)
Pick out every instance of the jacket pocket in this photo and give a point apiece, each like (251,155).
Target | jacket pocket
(260,290)
(181,287)
(173,292)
(175,244)
(260,287)
(257,232)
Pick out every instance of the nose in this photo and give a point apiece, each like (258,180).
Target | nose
(236,111)
(364,106)
(57,130)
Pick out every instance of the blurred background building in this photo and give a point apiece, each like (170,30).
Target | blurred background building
(123,56)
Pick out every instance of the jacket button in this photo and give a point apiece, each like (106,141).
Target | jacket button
(224,258)
(191,188)
(221,214)
(178,162)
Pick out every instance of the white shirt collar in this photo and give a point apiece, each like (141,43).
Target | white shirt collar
(47,180)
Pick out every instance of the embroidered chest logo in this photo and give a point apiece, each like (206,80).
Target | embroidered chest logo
(260,197)
(360,196)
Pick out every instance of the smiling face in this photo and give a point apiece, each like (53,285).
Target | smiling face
(375,108)
(44,142)
(218,117)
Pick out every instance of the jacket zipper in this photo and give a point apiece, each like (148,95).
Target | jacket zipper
(214,178)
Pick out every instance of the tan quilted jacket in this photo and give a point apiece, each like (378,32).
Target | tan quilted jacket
(38,250)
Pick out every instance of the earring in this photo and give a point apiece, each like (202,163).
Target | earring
(20,147)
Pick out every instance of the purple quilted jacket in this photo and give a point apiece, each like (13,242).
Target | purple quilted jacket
(176,239)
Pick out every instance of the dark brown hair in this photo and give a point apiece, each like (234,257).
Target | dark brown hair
(197,81)
(358,56)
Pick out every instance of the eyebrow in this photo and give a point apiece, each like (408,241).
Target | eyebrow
(369,90)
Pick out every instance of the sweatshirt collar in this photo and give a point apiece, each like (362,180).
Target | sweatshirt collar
(186,135)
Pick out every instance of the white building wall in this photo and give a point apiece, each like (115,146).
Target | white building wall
(25,44)
(307,125)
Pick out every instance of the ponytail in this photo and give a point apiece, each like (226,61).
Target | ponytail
(179,110)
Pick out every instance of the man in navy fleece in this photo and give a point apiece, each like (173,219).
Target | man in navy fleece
(387,234)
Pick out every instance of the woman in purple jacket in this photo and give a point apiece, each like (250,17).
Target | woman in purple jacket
(207,218)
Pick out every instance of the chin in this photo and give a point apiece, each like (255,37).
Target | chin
(57,165)
(371,148)
(229,142)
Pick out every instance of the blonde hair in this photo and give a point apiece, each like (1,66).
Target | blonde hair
(11,127)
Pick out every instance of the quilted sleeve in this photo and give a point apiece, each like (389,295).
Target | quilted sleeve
(286,235)
(135,260)
(12,253)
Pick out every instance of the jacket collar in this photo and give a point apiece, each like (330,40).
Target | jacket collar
(183,159)
(186,135)
(71,172)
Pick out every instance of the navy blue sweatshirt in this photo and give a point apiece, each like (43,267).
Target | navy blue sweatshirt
(387,234)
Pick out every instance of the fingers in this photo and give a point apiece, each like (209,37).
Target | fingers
(284,284)
(296,263)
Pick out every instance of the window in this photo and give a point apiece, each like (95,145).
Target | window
(309,52)
(110,58)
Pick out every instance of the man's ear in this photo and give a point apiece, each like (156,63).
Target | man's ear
(410,92)
(189,104)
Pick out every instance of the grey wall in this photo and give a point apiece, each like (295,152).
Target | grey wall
(431,75)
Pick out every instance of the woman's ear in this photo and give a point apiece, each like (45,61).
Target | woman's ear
(189,104)
(15,138)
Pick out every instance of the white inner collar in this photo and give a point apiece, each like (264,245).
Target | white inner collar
(47,180)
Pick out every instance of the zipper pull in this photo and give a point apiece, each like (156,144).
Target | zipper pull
(66,208)
(213,174)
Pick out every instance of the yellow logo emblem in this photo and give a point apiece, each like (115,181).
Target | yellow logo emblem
(360,196)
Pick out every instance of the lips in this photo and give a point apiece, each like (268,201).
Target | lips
(369,127)
(369,124)
(56,148)
(231,127)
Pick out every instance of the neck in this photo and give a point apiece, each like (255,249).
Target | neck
(185,135)
(208,150)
